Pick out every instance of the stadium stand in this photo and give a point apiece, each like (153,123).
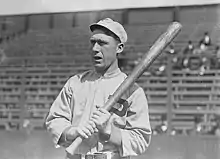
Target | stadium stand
(40,61)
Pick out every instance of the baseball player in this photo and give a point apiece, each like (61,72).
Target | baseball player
(77,111)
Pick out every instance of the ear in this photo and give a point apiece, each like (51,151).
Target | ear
(120,48)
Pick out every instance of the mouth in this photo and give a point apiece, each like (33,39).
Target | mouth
(97,58)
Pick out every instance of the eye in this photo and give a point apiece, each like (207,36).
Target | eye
(92,41)
(98,41)
(101,42)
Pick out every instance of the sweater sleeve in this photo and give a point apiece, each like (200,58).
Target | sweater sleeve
(136,135)
(60,114)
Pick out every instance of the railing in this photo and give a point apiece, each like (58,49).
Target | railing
(27,92)
(43,60)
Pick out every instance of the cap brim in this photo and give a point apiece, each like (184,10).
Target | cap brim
(98,26)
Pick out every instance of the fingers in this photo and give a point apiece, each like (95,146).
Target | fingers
(102,110)
(92,127)
(92,124)
(97,122)
(87,130)
(100,117)
(97,113)
(96,116)
(95,119)
(83,133)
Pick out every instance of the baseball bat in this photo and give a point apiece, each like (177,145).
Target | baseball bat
(156,49)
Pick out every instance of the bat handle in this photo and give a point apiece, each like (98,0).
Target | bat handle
(72,148)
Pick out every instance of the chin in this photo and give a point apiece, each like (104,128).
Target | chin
(98,67)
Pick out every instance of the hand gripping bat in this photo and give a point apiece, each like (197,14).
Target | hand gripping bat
(162,42)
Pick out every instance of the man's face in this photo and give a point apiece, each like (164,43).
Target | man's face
(104,50)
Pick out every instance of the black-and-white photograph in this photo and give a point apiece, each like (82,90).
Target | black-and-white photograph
(109,79)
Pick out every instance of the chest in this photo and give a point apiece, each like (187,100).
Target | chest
(89,95)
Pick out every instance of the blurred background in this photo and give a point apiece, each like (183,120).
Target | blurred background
(43,43)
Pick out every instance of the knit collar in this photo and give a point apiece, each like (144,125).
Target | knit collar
(107,75)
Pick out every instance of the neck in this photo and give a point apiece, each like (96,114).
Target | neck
(113,67)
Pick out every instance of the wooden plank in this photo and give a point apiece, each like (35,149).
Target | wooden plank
(194,85)
(194,92)
(199,102)
(193,111)
(36,101)
(157,111)
(7,101)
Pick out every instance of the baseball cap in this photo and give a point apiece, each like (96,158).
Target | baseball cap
(113,26)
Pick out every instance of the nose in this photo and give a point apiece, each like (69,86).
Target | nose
(96,47)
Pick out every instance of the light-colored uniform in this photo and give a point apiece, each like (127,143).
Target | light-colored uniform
(78,99)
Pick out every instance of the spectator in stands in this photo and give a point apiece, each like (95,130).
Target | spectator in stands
(189,49)
(215,129)
(162,128)
(171,49)
(77,111)
(215,60)
(3,57)
(217,52)
(202,46)
(205,42)
(206,39)
(197,128)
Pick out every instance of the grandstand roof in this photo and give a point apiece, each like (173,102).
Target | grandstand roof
(12,7)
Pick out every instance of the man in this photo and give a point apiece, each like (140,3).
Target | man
(77,110)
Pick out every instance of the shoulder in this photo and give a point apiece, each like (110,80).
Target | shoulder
(77,79)
(80,76)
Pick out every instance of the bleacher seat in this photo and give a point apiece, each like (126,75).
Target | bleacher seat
(40,62)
